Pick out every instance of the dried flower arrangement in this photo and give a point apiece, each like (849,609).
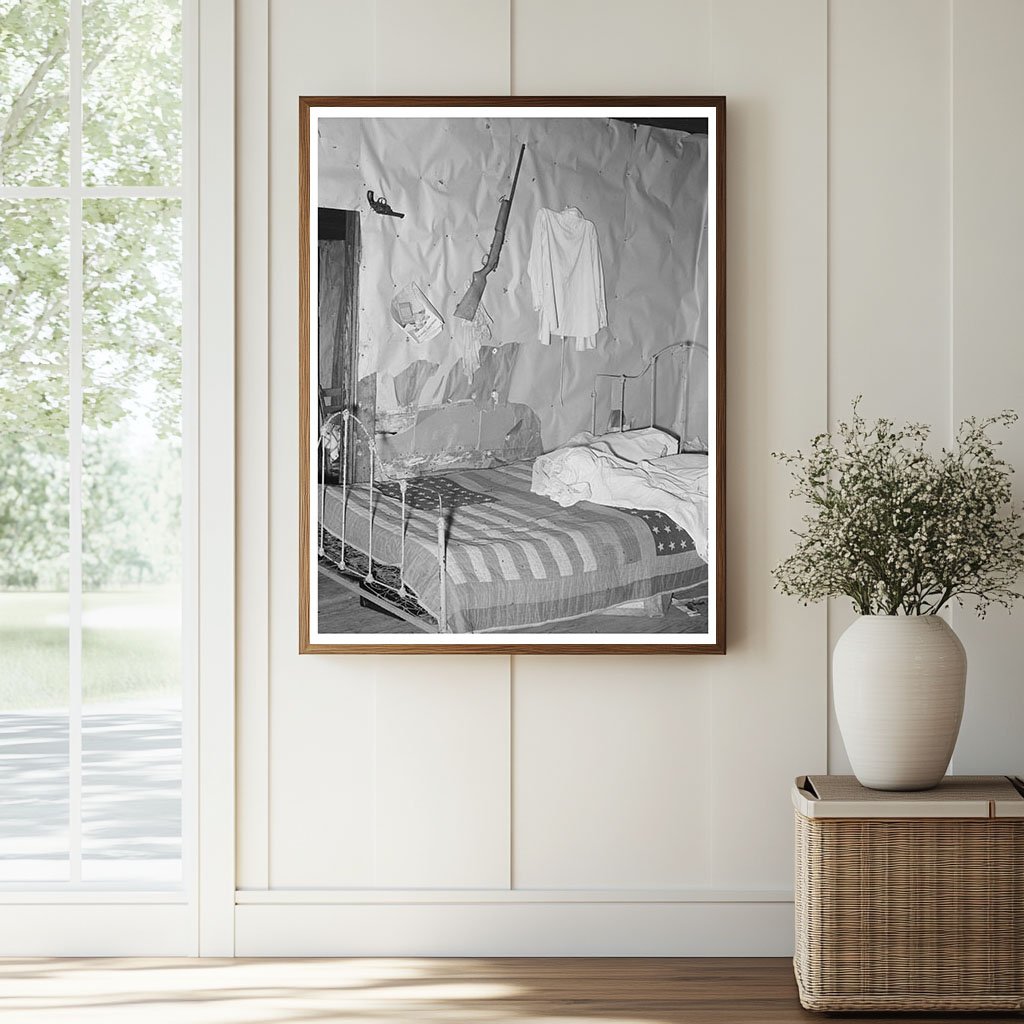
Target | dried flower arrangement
(900,530)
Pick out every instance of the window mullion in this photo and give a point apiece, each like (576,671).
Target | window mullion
(94,191)
(75,332)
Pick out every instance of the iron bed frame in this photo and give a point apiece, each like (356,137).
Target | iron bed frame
(374,589)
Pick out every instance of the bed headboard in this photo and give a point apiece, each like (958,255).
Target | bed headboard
(650,368)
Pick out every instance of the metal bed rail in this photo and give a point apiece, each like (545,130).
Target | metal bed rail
(372,583)
(652,365)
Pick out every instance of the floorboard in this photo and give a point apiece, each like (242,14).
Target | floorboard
(385,990)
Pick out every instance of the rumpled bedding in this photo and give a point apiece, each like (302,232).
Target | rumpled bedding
(630,470)
(566,480)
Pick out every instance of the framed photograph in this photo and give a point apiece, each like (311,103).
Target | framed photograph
(512,375)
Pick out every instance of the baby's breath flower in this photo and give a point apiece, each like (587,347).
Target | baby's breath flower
(897,529)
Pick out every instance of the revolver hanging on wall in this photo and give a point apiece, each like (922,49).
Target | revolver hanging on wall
(466,309)
(380,205)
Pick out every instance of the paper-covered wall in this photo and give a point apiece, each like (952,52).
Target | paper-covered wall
(645,189)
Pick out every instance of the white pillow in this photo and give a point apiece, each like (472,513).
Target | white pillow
(631,445)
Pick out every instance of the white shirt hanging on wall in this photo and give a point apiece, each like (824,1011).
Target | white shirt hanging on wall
(566,277)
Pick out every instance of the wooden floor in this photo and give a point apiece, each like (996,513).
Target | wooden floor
(382,991)
(340,612)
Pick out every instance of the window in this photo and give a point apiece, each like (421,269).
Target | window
(95,476)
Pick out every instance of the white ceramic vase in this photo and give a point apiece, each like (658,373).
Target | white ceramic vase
(898,684)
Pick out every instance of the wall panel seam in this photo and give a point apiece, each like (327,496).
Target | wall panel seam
(511,711)
(828,342)
(950,284)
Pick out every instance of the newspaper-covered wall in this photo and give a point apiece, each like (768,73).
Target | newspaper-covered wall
(644,188)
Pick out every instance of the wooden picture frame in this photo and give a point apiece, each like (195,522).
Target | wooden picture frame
(394,190)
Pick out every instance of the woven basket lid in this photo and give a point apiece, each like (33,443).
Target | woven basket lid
(957,796)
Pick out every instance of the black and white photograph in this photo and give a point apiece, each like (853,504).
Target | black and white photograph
(511,375)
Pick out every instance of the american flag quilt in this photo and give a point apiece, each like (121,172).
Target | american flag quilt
(516,559)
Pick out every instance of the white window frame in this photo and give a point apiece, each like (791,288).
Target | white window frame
(76,918)
(216,394)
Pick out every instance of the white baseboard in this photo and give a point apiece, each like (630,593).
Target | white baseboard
(514,928)
(334,897)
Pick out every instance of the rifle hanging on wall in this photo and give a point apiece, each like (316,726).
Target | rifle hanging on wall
(466,309)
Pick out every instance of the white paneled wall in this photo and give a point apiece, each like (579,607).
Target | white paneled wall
(441,795)
(768,693)
(987,366)
(889,146)
(625,805)
(318,756)
(579,48)
(612,775)
(889,249)
(441,48)
(925,207)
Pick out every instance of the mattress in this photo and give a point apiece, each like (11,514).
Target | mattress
(515,559)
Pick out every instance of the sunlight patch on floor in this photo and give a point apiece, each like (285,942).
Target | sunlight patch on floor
(146,991)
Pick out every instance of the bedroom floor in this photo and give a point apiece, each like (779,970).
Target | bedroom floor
(340,612)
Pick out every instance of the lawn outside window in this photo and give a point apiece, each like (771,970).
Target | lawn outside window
(96,479)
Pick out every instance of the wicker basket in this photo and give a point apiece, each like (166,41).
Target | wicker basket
(910,901)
